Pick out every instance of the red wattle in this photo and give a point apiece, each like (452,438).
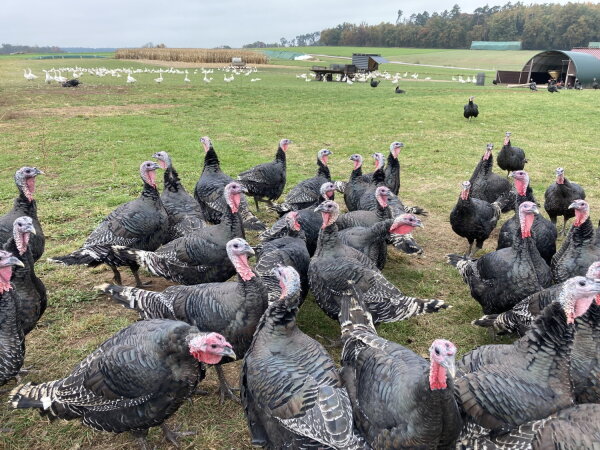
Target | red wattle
(521,187)
(560,179)
(235,202)
(401,229)
(437,377)
(357,164)
(326,218)
(580,217)
(526,223)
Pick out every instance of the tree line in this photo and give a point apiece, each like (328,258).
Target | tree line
(7,49)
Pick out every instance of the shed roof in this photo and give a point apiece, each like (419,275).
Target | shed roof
(379,59)
(587,66)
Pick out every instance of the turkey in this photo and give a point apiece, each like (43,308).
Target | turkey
(185,214)
(392,168)
(374,82)
(489,186)
(141,224)
(292,393)
(543,231)
(307,192)
(27,287)
(335,269)
(399,399)
(552,87)
(511,158)
(580,248)
(507,386)
(595,84)
(399,91)
(471,109)
(287,248)
(231,308)
(498,280)
(473,219)
(12,339)
(519,318)
(24,205)
(367,218)
(532,85)
(309,219)
(585,359)
(199,257)
(559,196)
(372,241)
(135,380)
(209,191)
(357,184)
(265,182)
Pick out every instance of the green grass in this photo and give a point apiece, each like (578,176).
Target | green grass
(89,141)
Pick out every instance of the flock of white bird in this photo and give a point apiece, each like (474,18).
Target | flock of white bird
(385,75)
(55,75)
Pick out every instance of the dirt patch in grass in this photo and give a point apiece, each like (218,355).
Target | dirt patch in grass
(84,111)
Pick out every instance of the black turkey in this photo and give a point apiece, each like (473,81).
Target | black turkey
(585,359)
(511,158)
(489,186)
(28,288)
(473,219)
(140,224)
(231,308)
(532,85)
(135,380)
(552,87)
(285,248)
(399,91)
(209,191)
(307,192)
(24,205)
(185,214)
(595,84)
(199,257)
(519,318)
(292,393)
(372,241)
(543,231)
(374,82)
(559,196)
(498,280)
(357,184)
(12,339)
(399,399)
(471,109)
(392,168)
(265,182)
(73,82)
(580,248)
(529,380)
(335,269)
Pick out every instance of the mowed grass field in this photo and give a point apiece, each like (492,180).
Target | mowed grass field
(90,141)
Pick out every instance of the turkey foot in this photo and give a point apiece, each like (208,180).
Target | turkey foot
(138,281)
(116,276)
(173,436)
(225,390)
(141,439)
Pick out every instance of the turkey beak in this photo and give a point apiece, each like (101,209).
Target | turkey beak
(535,210)
(449,365)
(573,205)
(228,351)
(155,166)
(420,224)
(13,261)
(249,250)
(511,175)
(39,172)
(30,229)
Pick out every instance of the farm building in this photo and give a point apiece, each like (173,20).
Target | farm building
(367,62)
(496,45)
(561,65)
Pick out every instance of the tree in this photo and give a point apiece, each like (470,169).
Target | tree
(399,17)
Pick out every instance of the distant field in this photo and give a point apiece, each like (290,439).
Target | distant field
(90,141)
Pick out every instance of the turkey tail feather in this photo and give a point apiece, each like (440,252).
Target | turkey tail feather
(149,304)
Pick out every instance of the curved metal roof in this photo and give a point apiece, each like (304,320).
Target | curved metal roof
(587,67)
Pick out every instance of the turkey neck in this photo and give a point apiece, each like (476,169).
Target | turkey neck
(378,177)
(323,170)
(150,192)
(383,213)
(22,203)
(584,232)
(528,197)
(171,180)
(586,344)
(211,161)
(279,320)
(328,240)
(356,173)
(381,229)
(232,223)
(280,156)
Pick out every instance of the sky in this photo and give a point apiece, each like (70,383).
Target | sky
(196,23)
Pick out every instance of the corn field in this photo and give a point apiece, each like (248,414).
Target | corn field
(193,55)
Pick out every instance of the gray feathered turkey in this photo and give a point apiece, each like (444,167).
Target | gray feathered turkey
(231,308)
(209,190)
(399,399)
(24,205)
(356,185)
(581,247)
(559,196)
(292,393)
(335,269)
(28,288)
(500,279)
(265,182)
(12,339)
(185,214)
(511,158)
(139,224)
(199,257)
(585,358)
(507,386)
(489,186)
(135,380)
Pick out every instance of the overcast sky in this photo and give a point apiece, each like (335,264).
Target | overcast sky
(194,23)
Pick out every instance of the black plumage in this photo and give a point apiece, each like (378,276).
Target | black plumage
(185,214)
(29,290)
(73,82)
(559,196)
(489,186)
(392,168)
(585,358)
(473,219)
(24,205)
(208,191)
(511,158)
(12,339)
(135,380)
(552,87)
(292,393)
(533,85)
(265,182)
(399,399)
(139,224)
(470,109)
(356,185)
(500,279)
(595,84)
(399,91)
(374,82)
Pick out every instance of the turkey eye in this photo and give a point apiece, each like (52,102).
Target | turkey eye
(437,351)
(582,283)
(213,345)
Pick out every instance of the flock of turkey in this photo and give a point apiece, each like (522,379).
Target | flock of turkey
(540,392)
